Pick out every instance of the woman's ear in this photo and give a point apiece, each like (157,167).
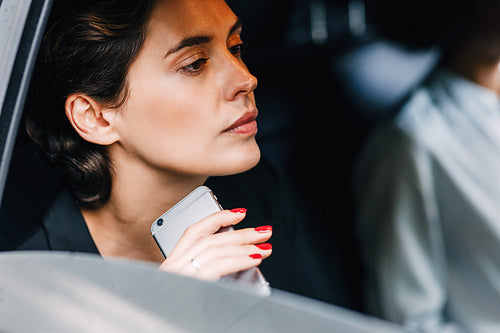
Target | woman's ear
(91,121)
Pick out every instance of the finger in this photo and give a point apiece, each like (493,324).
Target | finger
(214,222)
(244,236)
(219,261)
(248,236)
(222,261)
(205,227)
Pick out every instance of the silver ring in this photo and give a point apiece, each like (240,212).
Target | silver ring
(195,263)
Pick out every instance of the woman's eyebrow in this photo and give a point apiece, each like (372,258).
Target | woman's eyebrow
(189,41)
(201,39)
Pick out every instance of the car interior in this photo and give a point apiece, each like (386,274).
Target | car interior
(328,71)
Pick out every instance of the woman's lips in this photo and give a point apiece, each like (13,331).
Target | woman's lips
(246,124)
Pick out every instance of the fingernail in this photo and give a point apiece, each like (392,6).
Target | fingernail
(264,246)
(238,210)
(256,256)
(264,228)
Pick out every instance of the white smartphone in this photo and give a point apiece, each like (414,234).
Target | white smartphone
(200,203)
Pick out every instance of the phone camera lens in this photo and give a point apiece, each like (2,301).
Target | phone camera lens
(159,222)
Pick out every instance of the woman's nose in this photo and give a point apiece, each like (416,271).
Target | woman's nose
(239,81)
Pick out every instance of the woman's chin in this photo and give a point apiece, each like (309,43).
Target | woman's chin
(239,164)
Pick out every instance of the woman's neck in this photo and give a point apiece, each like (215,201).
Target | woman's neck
(121,227)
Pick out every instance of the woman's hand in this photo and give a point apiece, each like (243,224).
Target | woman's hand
(203,253)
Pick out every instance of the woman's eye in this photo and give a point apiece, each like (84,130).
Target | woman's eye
(236,50)
(196,66)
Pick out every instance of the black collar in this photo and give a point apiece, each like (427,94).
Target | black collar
(65,227)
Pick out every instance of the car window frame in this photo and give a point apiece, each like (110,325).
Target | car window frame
(30,17)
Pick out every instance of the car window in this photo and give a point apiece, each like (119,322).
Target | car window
(13,15)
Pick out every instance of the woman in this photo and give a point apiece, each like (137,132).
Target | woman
(136,104)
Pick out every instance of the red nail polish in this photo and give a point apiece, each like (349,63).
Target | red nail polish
(264,246)
(256,256)
(264,228)
(238,210)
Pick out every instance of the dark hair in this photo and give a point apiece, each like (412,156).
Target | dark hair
(477,29)
(485,31)
(87,50)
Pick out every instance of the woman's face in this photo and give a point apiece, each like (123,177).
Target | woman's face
(191,107)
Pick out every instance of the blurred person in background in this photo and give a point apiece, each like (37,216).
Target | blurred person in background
(427,191)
